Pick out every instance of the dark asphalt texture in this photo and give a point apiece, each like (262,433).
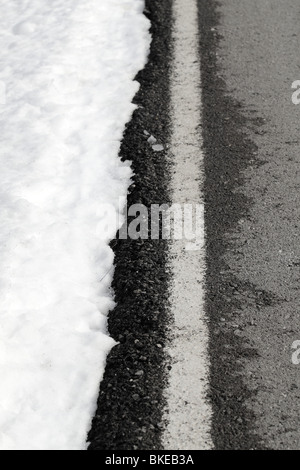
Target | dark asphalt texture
(249,54)
(228,151)
(258,58)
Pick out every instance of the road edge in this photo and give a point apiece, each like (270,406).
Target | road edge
(130,403)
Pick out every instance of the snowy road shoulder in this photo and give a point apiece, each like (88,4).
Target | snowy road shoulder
(66,71)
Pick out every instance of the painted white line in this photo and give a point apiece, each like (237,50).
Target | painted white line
(188,412)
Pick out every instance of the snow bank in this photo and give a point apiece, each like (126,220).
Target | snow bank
(66,86)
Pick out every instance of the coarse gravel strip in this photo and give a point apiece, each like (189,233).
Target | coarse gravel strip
(131,402)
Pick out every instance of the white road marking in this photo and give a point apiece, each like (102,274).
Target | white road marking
(188,412)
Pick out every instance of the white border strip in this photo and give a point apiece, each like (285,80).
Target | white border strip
(188,412)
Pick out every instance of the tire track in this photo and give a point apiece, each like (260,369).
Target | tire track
(228,152)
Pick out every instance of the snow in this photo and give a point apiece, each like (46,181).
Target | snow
(67,71)
(153,142)
(158,148)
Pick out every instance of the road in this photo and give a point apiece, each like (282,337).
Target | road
(249,154)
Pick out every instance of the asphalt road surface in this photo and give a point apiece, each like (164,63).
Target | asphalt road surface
(247,52)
